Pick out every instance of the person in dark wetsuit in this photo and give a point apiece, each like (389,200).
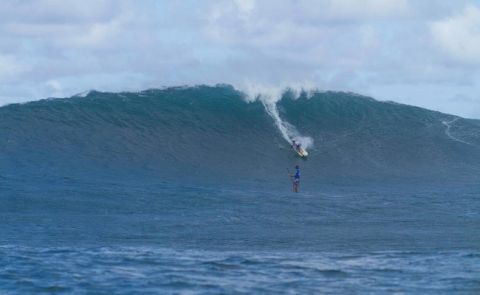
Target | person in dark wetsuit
(296,145)
(296,179)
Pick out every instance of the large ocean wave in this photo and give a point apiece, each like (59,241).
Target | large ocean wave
(169,190)
(215,134)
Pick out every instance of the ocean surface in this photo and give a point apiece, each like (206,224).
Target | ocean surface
(186,191)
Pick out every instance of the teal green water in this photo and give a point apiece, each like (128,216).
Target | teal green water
(185,190)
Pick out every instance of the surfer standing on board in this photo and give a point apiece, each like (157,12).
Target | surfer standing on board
(296,179)
(296,145)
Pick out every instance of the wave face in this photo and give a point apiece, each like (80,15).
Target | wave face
(213,135)
(187,187)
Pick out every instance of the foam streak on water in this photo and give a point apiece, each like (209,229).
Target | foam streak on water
(448,126)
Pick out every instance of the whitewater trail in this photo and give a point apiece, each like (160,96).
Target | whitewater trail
(288,131)
(269,96)
(448,125)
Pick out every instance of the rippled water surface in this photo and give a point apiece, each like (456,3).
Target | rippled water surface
(153,270)
(110,239)
(185,190)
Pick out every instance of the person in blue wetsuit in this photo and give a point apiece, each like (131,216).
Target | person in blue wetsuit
(296,179)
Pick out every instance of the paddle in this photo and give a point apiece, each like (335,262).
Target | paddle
(289,174)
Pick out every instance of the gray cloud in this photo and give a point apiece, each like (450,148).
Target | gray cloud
(419,52)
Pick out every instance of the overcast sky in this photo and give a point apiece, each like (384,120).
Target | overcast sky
(425,53)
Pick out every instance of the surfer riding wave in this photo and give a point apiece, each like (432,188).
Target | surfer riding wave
(297,147)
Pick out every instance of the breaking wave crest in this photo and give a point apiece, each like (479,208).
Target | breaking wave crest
(217,134)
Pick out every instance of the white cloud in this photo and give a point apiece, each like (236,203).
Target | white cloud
(352,10)
(58,11)
(63,23)
(11,68)
(459,35)
(275,22)
(55,88)
(245,6)
(376,47)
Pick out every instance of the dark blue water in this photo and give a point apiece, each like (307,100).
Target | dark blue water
(185,191)
(153,270)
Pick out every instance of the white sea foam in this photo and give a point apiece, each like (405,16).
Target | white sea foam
(269,96)
(83,94)
(448,125)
